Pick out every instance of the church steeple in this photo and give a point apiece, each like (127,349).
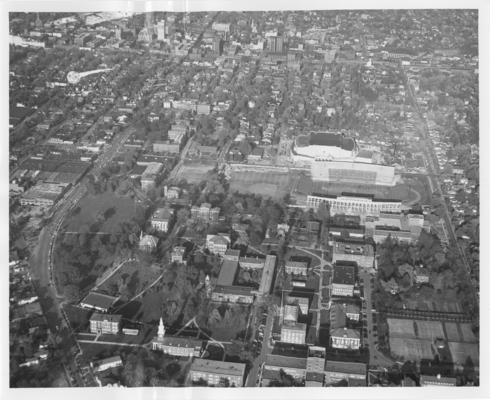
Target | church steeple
(161,330)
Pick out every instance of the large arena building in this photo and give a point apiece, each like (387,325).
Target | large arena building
(353,172)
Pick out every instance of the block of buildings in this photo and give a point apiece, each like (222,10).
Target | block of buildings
(293,332)
(105,323)
(357,251)
(217,373)
(296,267)
(205,212)
(291,364)
(344,279)
(336,371)
(301,302)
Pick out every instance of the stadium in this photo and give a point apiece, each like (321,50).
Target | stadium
(353,172)
(324,146)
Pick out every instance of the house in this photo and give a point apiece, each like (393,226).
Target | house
(177,255)
(176,346)
(106,363)
(336,371)
(217,244)
(296,267)
(345,338)
(293,332)
(98,301)
(217,373)
(148,243)
(105,323)
(438,380)
(205,212)
(161,219)
(343,280)
(173,192)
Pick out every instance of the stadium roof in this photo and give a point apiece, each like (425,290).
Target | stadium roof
(327,139)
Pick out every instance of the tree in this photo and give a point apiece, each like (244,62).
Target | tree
(71,293)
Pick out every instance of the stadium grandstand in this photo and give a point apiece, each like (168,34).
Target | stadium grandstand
(353,172)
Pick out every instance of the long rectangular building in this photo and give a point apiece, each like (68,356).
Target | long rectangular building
(353,204)
(217,373)
(353,172)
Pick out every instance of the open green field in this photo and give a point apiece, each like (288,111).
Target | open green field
(92,207)
(194,172)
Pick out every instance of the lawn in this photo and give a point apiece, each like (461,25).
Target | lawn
(131,279)
(91,207)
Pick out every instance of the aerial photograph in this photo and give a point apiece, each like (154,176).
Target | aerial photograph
(244,199)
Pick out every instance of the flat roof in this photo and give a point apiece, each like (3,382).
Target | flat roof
(218,367)
(344,274)
(346,367)
(106,317)
(99,300)
(356,248)
(239,290)
(267,274)
(227,272)
(282,361)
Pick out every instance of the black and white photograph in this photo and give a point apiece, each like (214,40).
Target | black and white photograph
(247,198)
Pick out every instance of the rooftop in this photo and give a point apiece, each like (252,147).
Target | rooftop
(106,317)
(346,367)
(162,214)
(227,272)
(218,367)
(345,332)
(357,248)
(99,300)
(326,139)
(343,274)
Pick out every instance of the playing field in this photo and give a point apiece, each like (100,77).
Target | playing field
(461,351)
(411,349)
(430,330)
(195,172)
(266,183)
(401,327)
